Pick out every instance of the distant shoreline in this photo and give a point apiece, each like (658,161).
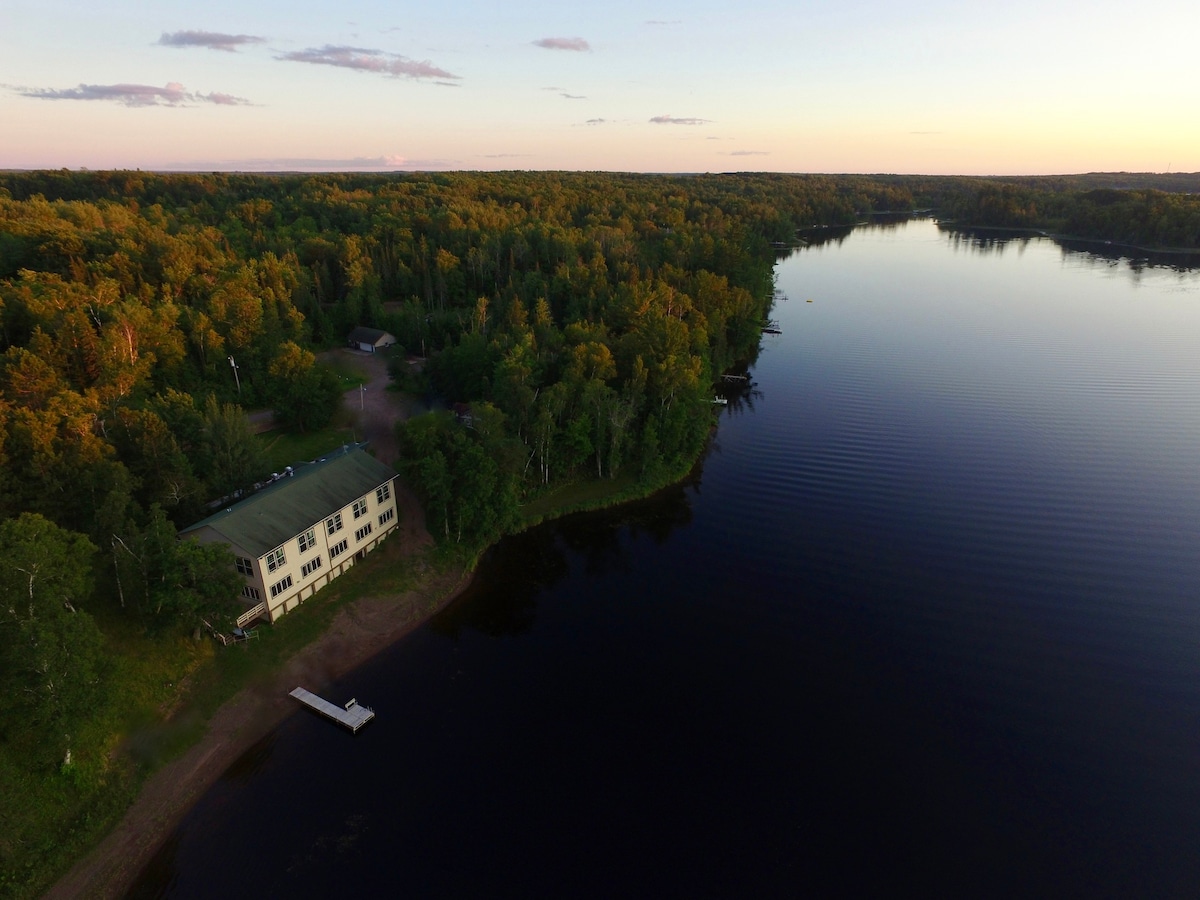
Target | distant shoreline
(954,225)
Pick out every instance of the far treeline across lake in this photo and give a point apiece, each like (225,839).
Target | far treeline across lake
(570,328)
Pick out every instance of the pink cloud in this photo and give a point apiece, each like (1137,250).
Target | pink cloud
(366,60)
(173,94)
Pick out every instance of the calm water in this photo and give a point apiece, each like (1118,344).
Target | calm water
(927,619)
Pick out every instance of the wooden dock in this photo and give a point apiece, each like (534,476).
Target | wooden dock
(351,715)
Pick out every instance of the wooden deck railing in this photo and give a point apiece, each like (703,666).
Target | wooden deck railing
(251,614)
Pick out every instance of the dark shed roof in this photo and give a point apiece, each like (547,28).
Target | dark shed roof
(364,335)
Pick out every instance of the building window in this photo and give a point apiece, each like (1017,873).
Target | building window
(311,566)
(244,566)
(250,593)
(384,492)
(337,548)
(362,532)
(280,586)
(386,516)
(360,507)
(275,559)
(333,524)
(307,541)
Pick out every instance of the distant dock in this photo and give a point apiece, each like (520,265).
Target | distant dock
(351,715)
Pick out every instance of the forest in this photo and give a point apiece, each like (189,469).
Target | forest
(1146,217)
(571,328)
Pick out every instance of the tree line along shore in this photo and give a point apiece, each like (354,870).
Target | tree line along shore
(569,326)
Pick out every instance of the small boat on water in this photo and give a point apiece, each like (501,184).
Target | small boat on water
(720,401)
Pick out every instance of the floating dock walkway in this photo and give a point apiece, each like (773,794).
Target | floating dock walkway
(351,715)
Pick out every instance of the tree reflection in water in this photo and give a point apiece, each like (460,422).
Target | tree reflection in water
(530,563)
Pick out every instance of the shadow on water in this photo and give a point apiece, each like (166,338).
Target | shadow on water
(810,238)
(537,566)
(158,877)
(740,396)
(252,762)
(531,563)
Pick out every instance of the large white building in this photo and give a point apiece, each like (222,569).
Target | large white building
(295,536)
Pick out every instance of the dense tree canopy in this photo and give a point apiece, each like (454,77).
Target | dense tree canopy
(50,648)
(571,325)
(592,310)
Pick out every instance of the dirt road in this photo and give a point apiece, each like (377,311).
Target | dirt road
(373,408)
(359,631)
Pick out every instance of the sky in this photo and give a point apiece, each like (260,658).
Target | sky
(649,86)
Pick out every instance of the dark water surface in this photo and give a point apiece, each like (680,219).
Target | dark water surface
(926,620)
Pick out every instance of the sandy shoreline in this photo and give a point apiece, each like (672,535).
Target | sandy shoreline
(360,630)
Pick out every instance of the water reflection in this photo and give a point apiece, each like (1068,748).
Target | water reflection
(1135,259)
(160,874)
(808,238)
(531,563)
(985,241)
(252,762)
(1132,261)
(339,844)
(740,393)
(929,624)
(539,565)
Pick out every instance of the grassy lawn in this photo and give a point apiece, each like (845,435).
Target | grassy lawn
(577,496)
(349,376)
(284,449)
(581,496)
(162,690)
(51,813)
(159,697)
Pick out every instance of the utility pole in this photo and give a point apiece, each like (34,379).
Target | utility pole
(362,390)
(234,366)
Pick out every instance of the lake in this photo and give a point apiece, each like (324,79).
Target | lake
(924,620)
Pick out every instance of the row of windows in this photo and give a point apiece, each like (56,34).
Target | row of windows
(250,593)
(333,525)
(280,586)
(311,566)
(307,541)
(386,516)
(337,549)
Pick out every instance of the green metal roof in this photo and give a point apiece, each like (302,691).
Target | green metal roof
(292,505)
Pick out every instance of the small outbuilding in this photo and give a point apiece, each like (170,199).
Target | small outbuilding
(370,339)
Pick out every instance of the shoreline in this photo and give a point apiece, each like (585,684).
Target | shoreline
(360,630)
(1097,243)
